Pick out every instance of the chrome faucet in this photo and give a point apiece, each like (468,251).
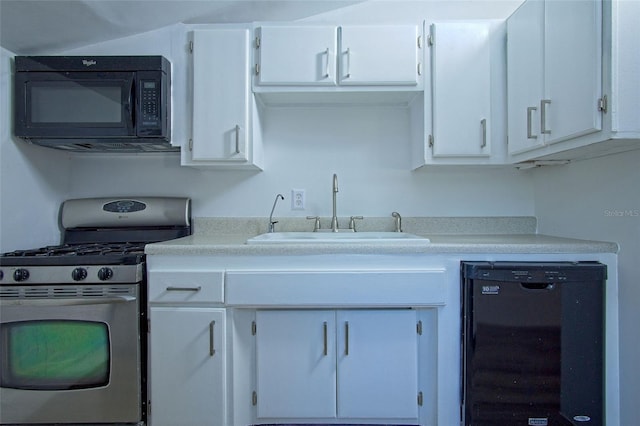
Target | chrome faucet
(334,218)
(398,221)
(272,223)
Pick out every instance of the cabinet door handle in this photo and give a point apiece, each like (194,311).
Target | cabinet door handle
(543,116)
(237,139)
(325,351)
(483,124)
(348,61)
(530,134)
(326,69)
(346,338)
(184,288)
(212,348)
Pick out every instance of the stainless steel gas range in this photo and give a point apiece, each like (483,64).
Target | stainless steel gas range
(73,320)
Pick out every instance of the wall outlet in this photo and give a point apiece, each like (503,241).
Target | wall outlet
(297,199)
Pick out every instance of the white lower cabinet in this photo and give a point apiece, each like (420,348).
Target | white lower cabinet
(187,366)
(345,364)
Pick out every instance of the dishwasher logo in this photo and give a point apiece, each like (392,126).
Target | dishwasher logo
(490,289)
(538,421)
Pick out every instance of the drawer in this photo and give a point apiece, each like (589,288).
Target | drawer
(336,288)
(186,286)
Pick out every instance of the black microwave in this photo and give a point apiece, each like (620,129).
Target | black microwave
(94,103)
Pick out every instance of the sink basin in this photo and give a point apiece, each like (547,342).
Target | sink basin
(336,238)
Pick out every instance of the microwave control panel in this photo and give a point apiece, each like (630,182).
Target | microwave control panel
(150,101)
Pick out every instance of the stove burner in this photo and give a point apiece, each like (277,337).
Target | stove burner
(97,249)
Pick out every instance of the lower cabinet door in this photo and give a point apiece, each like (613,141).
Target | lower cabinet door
(187,368)
(296,364)
(346,364)
(377,364)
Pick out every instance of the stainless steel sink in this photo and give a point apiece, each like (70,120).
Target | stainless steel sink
(336,238)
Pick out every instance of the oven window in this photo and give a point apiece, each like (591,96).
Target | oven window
(55,354)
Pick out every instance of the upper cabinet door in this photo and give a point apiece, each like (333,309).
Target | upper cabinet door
(296,55)
(554,77)
(221,93)
(461,89)
(379,55)
(525,53)
(573,68)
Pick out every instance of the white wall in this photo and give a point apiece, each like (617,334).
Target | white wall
(599,199)
(33,180)
(368,149)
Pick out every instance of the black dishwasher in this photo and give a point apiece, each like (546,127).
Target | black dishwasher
(533,343)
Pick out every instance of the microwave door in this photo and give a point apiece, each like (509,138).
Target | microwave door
(76,105)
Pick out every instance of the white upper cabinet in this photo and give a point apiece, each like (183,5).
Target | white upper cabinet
(375,55)
(461,118)
(554,51)
(223,130)
(295,55)
(461,89)
(525,45)
(572,68)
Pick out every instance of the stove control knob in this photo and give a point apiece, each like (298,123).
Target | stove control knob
(105,274)
(20,275)
(79,274)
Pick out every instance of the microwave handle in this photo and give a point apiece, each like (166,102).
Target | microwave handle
(131,109)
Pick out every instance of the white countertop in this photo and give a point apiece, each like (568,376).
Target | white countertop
(228,237)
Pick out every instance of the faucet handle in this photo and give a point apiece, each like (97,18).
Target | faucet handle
(316,224)
(352,222)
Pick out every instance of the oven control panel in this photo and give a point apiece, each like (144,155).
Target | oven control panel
(86,274)
(126,212)
(124,206)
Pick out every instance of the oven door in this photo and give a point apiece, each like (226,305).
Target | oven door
(70,359)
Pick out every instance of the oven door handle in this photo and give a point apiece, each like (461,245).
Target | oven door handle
(67,302)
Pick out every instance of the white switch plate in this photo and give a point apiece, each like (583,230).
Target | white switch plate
(297,199)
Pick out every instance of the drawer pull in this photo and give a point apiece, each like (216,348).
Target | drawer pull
(346,338)
(237,139)
(325,352)
(530,134)
(184,288)
(348,67)
(212,348)
(543,116)
(326,70)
